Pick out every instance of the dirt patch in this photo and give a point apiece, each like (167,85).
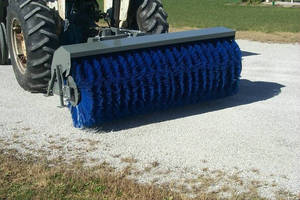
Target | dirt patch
(276,37)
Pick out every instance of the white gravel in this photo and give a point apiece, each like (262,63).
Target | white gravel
(256,132)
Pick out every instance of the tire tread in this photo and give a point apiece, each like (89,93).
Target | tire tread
(39,28)
(152,18)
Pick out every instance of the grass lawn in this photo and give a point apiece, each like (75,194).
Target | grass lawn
(209,13)
(254,22)
(229,13)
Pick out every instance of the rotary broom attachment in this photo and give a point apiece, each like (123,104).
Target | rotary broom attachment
(107,80)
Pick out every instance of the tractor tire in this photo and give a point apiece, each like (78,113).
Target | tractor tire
(3,46)
(148,16)
(32,40)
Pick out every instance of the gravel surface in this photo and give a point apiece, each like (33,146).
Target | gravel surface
(254,135)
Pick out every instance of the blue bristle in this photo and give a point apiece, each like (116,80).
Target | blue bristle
(125,83)
(83,115)
(157,78)
(149,75)
(99,100)
(166,78)
(194,66)
(204,65)
(125,91)
(171,64)
(133,82)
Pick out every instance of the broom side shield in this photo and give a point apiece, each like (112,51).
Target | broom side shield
(62,83)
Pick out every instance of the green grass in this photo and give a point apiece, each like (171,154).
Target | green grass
(230,13)
(209,13)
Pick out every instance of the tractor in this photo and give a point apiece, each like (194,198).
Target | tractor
(125,64)
(34,29)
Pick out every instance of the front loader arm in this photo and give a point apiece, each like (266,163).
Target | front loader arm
(124,8)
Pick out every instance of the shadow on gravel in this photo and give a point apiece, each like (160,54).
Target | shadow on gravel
(250,92)
(247,53)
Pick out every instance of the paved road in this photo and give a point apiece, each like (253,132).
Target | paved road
(255,134)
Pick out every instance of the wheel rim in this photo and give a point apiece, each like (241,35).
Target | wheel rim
(19,45)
